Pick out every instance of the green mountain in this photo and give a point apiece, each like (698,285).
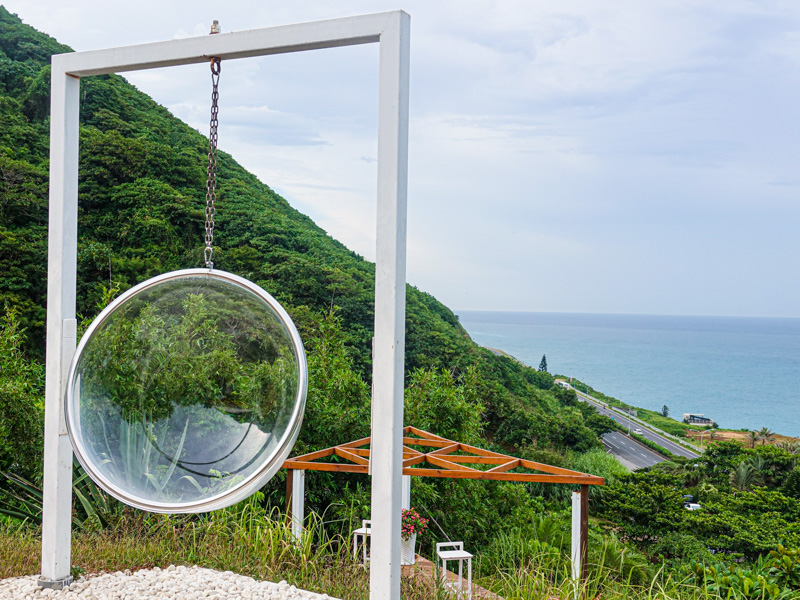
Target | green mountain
(141,203)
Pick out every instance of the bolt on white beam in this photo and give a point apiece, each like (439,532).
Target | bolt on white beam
(392,31)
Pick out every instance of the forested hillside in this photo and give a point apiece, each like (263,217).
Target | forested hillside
(141,199)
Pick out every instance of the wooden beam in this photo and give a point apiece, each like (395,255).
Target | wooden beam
(310,456)
(471,458)
(449,472)
(359,451)
(357,443)
(440,462)
(535,466)
(487,476)
(426,434)
(481,451)
(454,447)
(512,464)
(341,452)
(407,441)
(414,460)
(331,467)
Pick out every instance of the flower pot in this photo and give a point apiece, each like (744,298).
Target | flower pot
(407,550)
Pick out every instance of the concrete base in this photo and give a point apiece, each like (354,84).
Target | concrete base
(55,584)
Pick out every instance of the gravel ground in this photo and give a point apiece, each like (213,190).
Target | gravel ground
(172,583)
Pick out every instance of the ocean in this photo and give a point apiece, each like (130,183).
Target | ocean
(741,372)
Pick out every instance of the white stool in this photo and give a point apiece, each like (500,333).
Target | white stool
(457,553)
(362,532)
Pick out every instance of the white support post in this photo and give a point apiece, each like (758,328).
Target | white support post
(406,491)
(298,502)
(61,325)
(575,554)
(390,304)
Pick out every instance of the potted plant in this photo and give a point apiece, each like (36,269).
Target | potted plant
(411,524)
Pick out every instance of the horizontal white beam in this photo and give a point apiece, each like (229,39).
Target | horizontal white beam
(348,31)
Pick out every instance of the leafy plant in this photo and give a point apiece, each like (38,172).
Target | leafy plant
(732,581)
(93,507)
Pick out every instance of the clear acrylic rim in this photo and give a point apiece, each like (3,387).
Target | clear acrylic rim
(257,479)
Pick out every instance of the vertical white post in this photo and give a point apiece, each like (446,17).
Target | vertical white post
(406,491)
(61,280)
(390,298)
(575,554)
(298,502)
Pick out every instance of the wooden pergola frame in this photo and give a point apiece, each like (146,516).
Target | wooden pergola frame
(445,459)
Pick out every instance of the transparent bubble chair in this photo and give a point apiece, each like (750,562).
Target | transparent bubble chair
(186,394)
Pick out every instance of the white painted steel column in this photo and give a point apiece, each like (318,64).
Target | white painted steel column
(575,554)
(61,327)
(390,299)
(298,502)
(406,491)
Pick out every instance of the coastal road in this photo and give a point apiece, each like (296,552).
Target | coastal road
(629,452)
(664,442)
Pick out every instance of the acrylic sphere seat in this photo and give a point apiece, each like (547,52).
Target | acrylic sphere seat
(187,393)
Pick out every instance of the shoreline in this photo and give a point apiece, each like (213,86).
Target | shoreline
(740,372)
(698,432)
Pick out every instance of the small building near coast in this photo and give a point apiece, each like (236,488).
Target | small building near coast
(697,419)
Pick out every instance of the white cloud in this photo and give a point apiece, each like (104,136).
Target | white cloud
(623,157)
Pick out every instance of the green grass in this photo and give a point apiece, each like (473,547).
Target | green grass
(245,541)
(248,542)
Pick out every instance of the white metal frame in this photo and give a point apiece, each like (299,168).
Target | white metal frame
(392,31)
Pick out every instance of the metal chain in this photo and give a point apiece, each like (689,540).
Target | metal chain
(211,183)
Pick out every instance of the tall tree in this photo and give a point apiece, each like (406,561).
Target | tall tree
(543,363)
(743,476)
(21,409)
(765,434)
(665,411)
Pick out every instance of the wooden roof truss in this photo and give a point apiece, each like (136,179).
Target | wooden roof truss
(429,455)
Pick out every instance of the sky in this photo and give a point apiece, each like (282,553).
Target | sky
(571,156)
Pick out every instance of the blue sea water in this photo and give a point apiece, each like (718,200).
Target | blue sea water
(741,372)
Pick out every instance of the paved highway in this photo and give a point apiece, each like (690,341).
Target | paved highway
(629,452)
(664,442)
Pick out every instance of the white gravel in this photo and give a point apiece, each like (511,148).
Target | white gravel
(172,583)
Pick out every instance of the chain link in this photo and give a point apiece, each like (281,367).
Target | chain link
(211,183)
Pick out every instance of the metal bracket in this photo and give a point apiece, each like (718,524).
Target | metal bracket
(55,584)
